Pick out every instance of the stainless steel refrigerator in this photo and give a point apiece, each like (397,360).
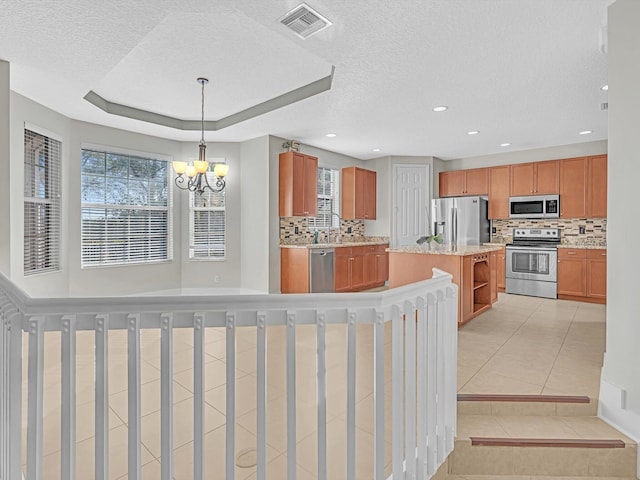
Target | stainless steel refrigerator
(461,220)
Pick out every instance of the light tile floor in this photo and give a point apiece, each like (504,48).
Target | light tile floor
(522,345)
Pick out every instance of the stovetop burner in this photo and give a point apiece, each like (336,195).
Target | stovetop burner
(536,237)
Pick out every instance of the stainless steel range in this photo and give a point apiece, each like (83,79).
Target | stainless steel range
(532,262)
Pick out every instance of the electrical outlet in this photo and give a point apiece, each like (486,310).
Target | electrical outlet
(494,230)
(349,230)
(582,229)
(296,230)
(216,279)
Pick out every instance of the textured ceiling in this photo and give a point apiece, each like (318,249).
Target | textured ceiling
(526,72)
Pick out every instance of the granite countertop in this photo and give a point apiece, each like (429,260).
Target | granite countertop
(334,245)
(584,246)
(447,250)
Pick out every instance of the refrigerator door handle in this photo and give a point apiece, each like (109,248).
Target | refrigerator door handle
(454,226)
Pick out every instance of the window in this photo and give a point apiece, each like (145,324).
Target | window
(207,224)
(126,208)
(328,199)
(41,202)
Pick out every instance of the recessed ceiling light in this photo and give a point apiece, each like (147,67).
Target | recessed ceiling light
(330,135)
(473,132)
(441,108)
(605,88)
(375,150)
(586,132)
(505,144)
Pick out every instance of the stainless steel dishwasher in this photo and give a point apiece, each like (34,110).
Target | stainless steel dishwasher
(321,270)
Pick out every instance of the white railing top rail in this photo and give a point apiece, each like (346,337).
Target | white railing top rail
(334,305)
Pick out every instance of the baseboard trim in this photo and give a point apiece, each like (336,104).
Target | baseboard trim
(483,397)
(546,442)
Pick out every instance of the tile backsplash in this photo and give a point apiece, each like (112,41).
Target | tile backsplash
(595,230)
(296,230)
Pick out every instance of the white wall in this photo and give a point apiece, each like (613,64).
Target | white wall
(523,156)
(204,273)
(5,166)
(621,371)
(254,216)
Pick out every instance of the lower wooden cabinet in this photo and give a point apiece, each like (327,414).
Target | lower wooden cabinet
(360,268)
(582,274)
(494,276)
(501,269)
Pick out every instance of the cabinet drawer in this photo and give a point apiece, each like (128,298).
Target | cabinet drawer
(599,254)
(574,253)
(342,251)
(360,250)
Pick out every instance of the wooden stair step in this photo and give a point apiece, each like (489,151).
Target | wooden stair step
(546,442)
(490,397)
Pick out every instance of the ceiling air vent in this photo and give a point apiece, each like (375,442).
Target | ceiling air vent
(604,106)
(305,21)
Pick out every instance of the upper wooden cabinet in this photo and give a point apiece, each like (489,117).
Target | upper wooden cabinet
(499,192)
(537,178)
(464,182)
(358,194)
(298,187)
(597,186)
(573,187)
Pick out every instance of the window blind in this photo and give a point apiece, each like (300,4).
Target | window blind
(328,199)
(42,157)
(207,224)
(126,209)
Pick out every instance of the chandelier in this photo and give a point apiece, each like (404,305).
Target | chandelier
(196,174)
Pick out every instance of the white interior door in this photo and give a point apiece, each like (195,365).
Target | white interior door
(411,204)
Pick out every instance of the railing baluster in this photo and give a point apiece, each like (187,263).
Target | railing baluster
(134,381)
(5,432)
(440,367)
(321,355)
(198,396)
(68,398)
(431,384)
(397,387)
(422,388)
(166,396)
(351,395)
(261,401)
(35,398)
(378,397)
(291,396)
(452,363)
(15,401)
(102,397)
(231,397)
(410,389)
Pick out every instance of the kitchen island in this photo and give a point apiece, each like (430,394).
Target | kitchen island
(474,271)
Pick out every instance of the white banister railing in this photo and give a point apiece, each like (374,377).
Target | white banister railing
(423,319)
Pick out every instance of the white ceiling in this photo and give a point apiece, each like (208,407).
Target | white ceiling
(526,72)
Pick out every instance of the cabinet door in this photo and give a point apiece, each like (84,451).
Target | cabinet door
(571,277)
(382,267)
(521,179)
(499,178)
(467,287)
(359,193)
(476,181)
(342,262)
(310,190)
(597,187)
(357,271)
(573,181)
(597,273)
(369,195)
(370,267)
(502,256)
(546,178)
(451,184)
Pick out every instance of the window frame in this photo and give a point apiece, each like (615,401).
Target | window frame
(130,208)
(48,234)
(193,209)
(320,221)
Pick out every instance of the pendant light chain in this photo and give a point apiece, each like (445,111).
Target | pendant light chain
(202,139)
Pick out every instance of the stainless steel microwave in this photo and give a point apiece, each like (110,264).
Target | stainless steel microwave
(535,206)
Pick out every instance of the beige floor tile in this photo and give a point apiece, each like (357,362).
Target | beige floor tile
(549,461)
(215,452)
(182,426)
(479,460)
(277,470)
(593,427)
(619,462)
(485,382)
(479,426)
(246,396)
(215,374)
(149,399)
